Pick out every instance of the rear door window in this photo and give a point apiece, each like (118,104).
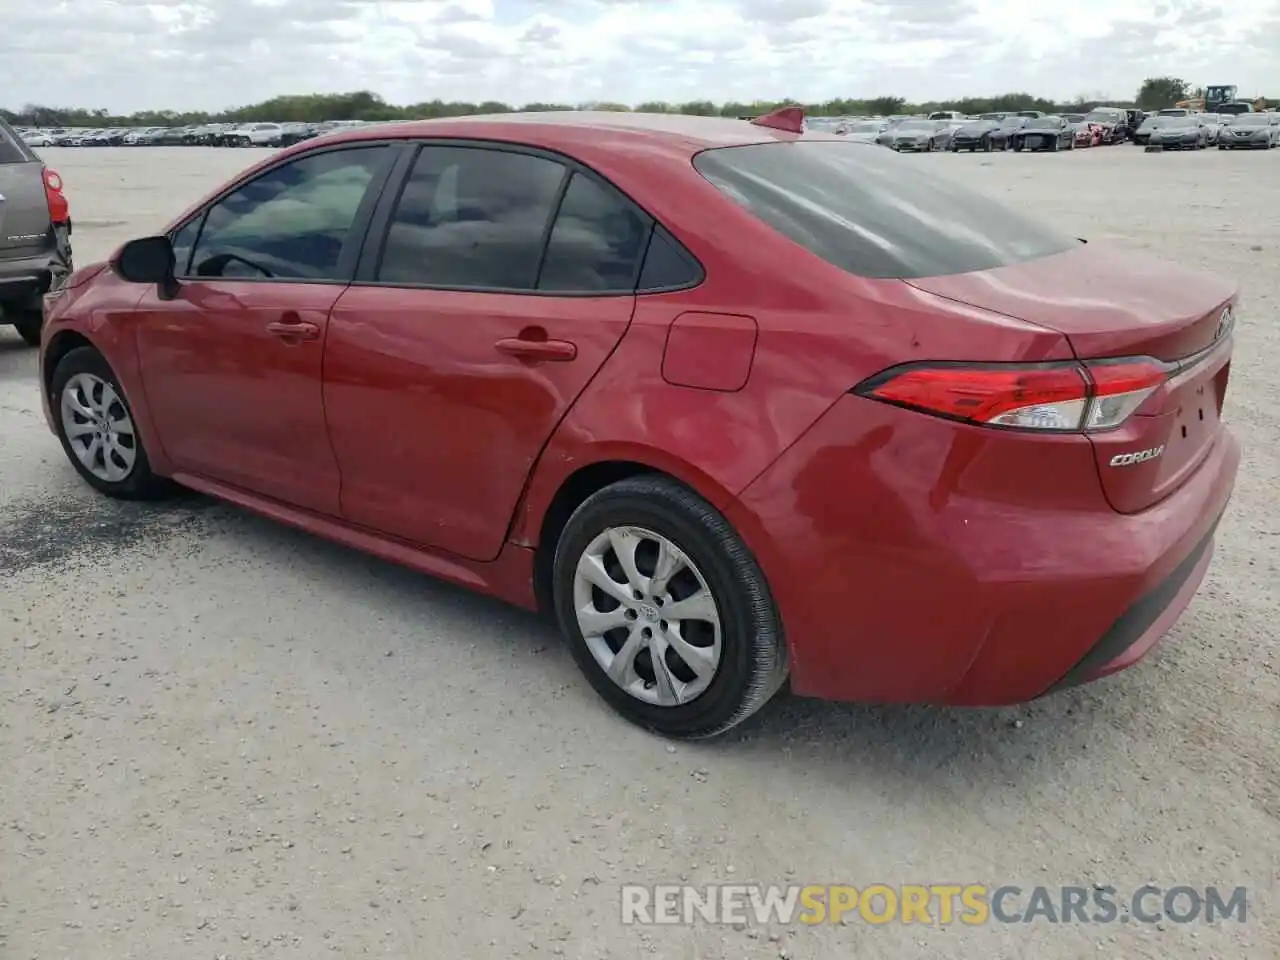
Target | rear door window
(472,218)
(596,242)
(870,212)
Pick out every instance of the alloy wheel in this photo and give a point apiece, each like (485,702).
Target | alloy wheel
(98,427)
(647,616)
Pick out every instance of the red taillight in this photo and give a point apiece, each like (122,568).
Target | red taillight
(1040,396)
(59,209)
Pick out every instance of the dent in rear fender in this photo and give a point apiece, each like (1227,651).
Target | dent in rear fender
(892,540)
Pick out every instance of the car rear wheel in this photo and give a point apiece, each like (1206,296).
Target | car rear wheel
(97,429)
(665,609)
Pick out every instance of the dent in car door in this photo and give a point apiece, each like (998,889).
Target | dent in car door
(440,400)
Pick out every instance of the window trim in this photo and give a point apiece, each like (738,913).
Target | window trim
(379,226)
(356,237)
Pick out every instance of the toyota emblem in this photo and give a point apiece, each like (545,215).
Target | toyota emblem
(1224,323)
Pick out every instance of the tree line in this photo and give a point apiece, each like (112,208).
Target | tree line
(1155,92)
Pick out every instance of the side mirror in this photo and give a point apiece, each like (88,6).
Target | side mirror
(148,260)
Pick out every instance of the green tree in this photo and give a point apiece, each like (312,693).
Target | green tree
(886,106)
(1158,92)
(367,105)
(699,108)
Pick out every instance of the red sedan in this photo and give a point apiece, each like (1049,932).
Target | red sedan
(735,402)
(1087,134)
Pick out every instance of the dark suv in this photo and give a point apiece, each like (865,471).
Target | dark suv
(35,235)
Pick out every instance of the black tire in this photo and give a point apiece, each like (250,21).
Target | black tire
(28,324)
(140,483)
(753,663)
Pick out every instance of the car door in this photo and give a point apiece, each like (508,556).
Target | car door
(231,364)
(501,282)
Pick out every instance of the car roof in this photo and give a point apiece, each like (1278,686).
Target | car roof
(678,134)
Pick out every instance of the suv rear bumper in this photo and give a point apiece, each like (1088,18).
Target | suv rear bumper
(27,278)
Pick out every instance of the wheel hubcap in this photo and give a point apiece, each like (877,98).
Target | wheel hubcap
(647,616)
(98,428)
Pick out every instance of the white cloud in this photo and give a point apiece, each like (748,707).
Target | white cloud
(127,55)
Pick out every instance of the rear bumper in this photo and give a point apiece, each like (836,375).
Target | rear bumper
(915,560)
(1141,627)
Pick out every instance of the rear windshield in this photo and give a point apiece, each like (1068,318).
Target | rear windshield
(12,149)
(874,213)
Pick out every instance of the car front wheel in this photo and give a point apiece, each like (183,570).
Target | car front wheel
(665,609)
(97,429)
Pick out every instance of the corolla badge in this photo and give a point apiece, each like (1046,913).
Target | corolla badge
(1139,456)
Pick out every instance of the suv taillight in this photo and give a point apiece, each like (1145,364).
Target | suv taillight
(59,209)
(1090,396)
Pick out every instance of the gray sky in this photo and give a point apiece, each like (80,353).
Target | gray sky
(127,55)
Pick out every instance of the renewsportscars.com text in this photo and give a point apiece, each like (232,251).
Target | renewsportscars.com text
(930,905)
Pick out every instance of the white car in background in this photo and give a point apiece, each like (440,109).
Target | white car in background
(37,139)
(256,135)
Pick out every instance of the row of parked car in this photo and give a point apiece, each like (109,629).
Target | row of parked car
(1198,131)
(1174,128)
(194,135)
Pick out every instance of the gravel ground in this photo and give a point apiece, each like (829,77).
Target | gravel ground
(223,738)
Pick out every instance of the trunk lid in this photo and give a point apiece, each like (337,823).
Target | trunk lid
(1108,304)
(24,209)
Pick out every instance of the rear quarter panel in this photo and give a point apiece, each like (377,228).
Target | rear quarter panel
(821,332)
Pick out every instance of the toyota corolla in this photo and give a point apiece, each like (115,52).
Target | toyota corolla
(735,403)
